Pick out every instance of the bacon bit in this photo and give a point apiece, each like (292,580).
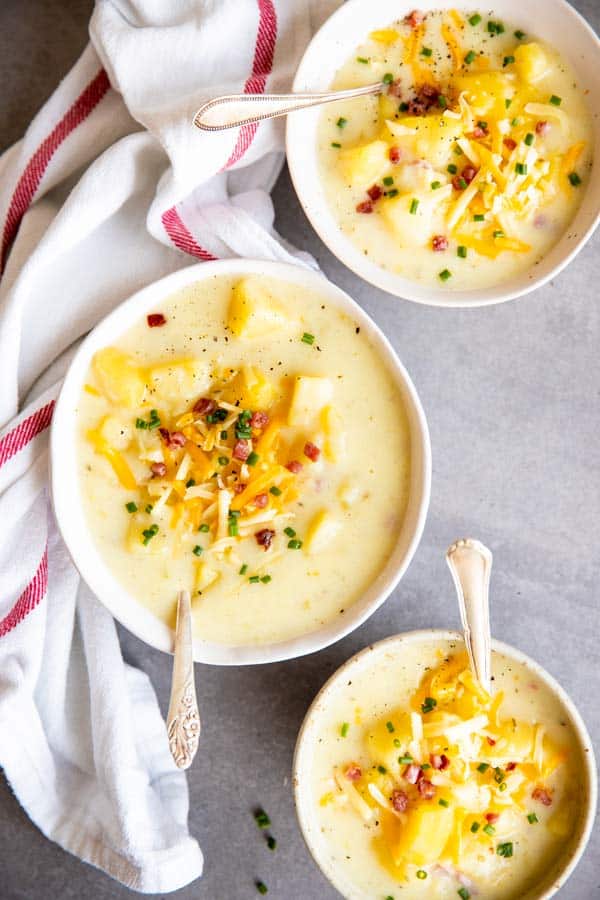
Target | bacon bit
(439,761)
(399,800)
(312,451)
(415,18)
(375,192)
(259,420)
(426,97)
(294,466)
(241,449)
(413,773)
(510,767)
(159,470)
(264,537)
(353,772)
(458,183)
(426,789)
(395,88)
(508,142)
(395,154)
(154,320)
(173,439)
(542,795)
(439,243)
(492,817)
(204,406)
(469,173)
(365,207)
(541,127)
(261,500)
(491,741)
(239,487)
(478,133)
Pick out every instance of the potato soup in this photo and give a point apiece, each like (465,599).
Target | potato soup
(423,786)
(244,441)
(478,150)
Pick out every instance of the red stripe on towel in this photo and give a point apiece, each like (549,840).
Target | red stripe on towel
(181,237)
(29,599)
(264,52)
(29,181)
(25,431)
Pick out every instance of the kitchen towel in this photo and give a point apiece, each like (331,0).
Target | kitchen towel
(109,189)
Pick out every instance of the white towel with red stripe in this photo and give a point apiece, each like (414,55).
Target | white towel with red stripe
(109,189)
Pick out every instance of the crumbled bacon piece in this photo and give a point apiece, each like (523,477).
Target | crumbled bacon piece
(259,420)
(158,469)
(365,207)
(542,795)
(510,143)
(264,537)
(427,96)
(415,18)
(426,789)
(478,133)
(395,88)
(510,767)
(353,772)
(375,192)
(541,127)
(491,741)
(204,406)
(492,817)
(241,449)
(294,466)
(173,439)
(395,154)
(469,173)
(458,183)
(312,451)
(261,500)
(439,243)
(412,773)
(399,800)
(154,320)
(239,487)
(439,761)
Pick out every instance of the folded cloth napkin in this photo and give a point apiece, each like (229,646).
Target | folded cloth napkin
(109,189)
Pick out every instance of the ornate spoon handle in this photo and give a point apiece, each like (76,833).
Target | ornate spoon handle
(243,109)
(470,563)
(183,719)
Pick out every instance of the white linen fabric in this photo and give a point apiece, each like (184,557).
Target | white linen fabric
(110,189)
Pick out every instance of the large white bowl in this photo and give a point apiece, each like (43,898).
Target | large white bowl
(554,21)
(374,656)
(66,490)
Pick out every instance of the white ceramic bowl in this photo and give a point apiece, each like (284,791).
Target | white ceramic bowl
(371,657)
(66,489)
(554,21)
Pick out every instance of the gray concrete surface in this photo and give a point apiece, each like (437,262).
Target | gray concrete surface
(512,396)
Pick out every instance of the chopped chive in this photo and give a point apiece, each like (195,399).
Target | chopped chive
(204,528)
(507,102)
(271,842)
(462,184)
(275,491)
(503,786)
(498,775)
(421,874)
(265,579)
(475,827)
(475,20)
(414,205)
(479,217)
(470,57)
(219,415)
(244,569)
(261,887)
(308,338)
(555,101)
(489,829)
(514,122)
(529,138)
(148,534)
(392,193)
(425,766)
(453,169)
(508,60)
(341,122)
(388,78)
(190,482)
(131,507)
(223,460)
(521,168)
(345,729)
(336,145)
(444,275)
(390,727)
(388,180)
(426,51)
(252,459)
(520,35)
(505,850)
(232,528)
(442,101)
(234,513)
(403,106)
(363,60)
(223,435)
(396,742)
(254,579)
(461,251)
(483,767)
(289,531)
(405,760)
(198,550)
(430,702)
(294,545)
(382,770)
(443,802)
(463,893)
(532,818)
(458,151)
(148,508)
(574,179)
(435,185)
(498,234)
(482,124)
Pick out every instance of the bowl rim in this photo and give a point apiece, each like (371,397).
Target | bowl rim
(427,635)
(392,283)
(69,511)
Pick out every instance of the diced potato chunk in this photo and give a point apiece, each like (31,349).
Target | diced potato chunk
(411,229)
(531,62)
(120,380)
(424,835)
(380,740)
(432,137)
(388,107)
(116,432)
(253,311)
(486,91)
(205,576)
(311,394)
(321,531)
(361,166)
(178,381)
(250,389)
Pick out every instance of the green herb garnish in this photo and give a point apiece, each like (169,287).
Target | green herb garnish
(131,507)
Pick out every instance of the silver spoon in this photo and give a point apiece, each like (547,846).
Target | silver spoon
(183,718)
(243,109)
(470,563)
